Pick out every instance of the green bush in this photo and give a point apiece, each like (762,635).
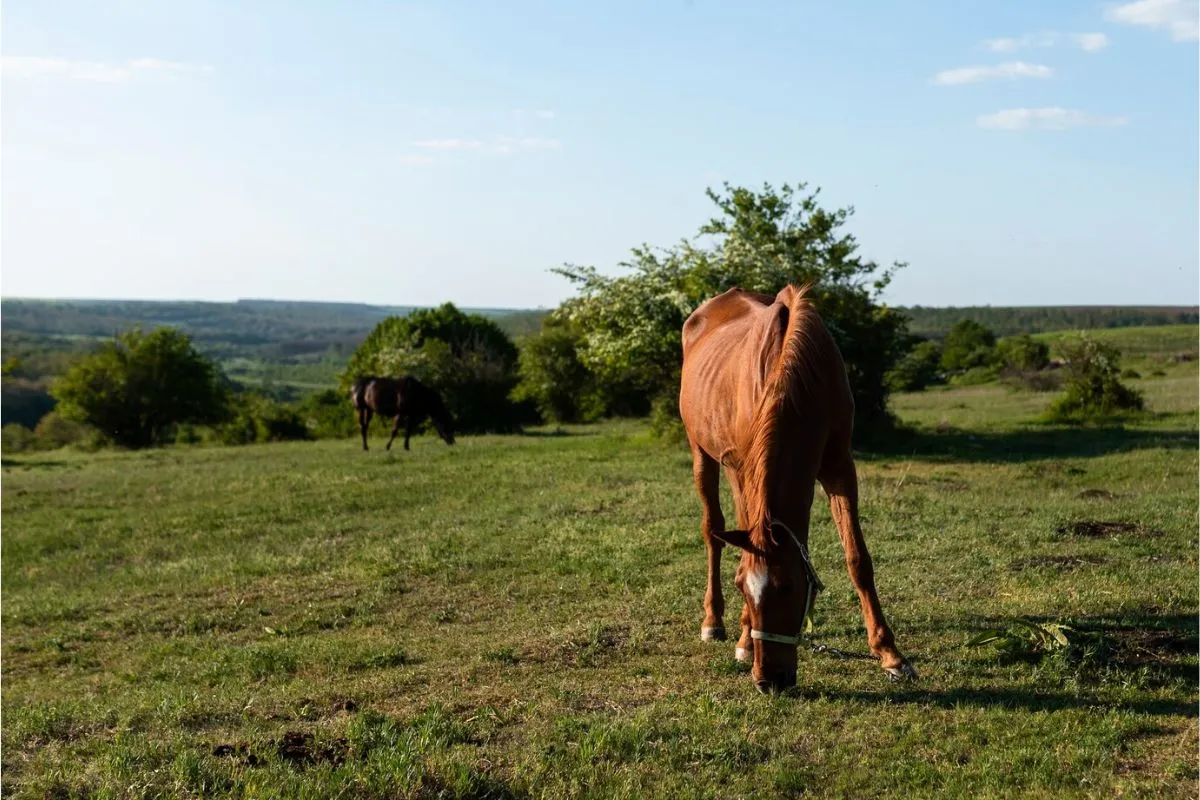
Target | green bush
(1023,353)
(55,431)
(1093,386)
(329,414)
(256,418)
(138,387)
(665,422)
(466,357)
(16,438)
(968,344)
(976,376)
(918,369)
(553,377)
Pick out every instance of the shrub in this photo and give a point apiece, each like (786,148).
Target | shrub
(16,438)
(257,419)
(1023,353)
(139,386)
(1093,388)
(553,377)
(466,357)
(329,414)
(918,369)
(56,431)
(976,376)
(968,344)
(665,422)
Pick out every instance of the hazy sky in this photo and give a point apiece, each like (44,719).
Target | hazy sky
(1013,152)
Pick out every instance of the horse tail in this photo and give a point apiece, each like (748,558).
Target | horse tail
(358,391)
(793,379)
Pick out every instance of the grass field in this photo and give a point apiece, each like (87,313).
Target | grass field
(519,617)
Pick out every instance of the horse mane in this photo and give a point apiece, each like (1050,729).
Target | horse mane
(794,377)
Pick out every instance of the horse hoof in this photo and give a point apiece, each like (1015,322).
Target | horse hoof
(904,672)
(744,655)
(712,634)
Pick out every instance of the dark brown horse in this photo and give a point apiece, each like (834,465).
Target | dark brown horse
(764,393)
(405,400)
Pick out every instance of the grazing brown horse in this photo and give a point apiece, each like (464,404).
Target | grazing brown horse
(406,400)
(764,393)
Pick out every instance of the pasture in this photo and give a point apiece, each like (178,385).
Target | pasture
(518,616)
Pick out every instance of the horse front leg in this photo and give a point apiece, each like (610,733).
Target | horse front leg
(409,429)
(840,480)
(706,472)
(396,430)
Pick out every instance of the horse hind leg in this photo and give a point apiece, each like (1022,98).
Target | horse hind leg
(840,480)
(706,472)
(364,422)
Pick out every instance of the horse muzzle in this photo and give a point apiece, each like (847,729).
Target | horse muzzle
(776,683)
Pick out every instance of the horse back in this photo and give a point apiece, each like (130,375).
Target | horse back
(732,345)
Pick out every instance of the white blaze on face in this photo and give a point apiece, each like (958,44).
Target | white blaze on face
(756,584)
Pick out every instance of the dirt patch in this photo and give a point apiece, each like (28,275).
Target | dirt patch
(1050,469)
(344,705)
(296,748)
(582,647)
(1139,646)
(1060,563)
(1099,529)
(300,750)
(1096,494)
(239,750)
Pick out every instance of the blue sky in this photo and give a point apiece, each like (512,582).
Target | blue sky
(1014,153)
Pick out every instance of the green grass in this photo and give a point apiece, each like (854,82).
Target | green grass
(519,617)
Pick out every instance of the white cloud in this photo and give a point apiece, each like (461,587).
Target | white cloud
(1052,118)
(1180,18)
(29,67)
(414,161)
(1089,42)
(449,144)
(1011,71)
(544,113)
(1012,44)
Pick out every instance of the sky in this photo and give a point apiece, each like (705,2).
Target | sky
(1011,152)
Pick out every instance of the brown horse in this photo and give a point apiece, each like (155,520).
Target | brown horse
(404,399)
(764,393)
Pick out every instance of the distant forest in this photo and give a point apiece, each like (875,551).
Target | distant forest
(1006,321)
(280,328)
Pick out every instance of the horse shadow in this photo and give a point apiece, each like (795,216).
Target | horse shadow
(1025,444)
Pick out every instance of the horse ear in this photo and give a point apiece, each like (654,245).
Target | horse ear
(738,539)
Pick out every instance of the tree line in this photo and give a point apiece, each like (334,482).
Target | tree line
(611,349)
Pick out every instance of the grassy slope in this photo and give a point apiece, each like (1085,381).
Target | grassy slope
(519,616)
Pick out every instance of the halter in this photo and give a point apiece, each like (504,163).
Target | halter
(814,586)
